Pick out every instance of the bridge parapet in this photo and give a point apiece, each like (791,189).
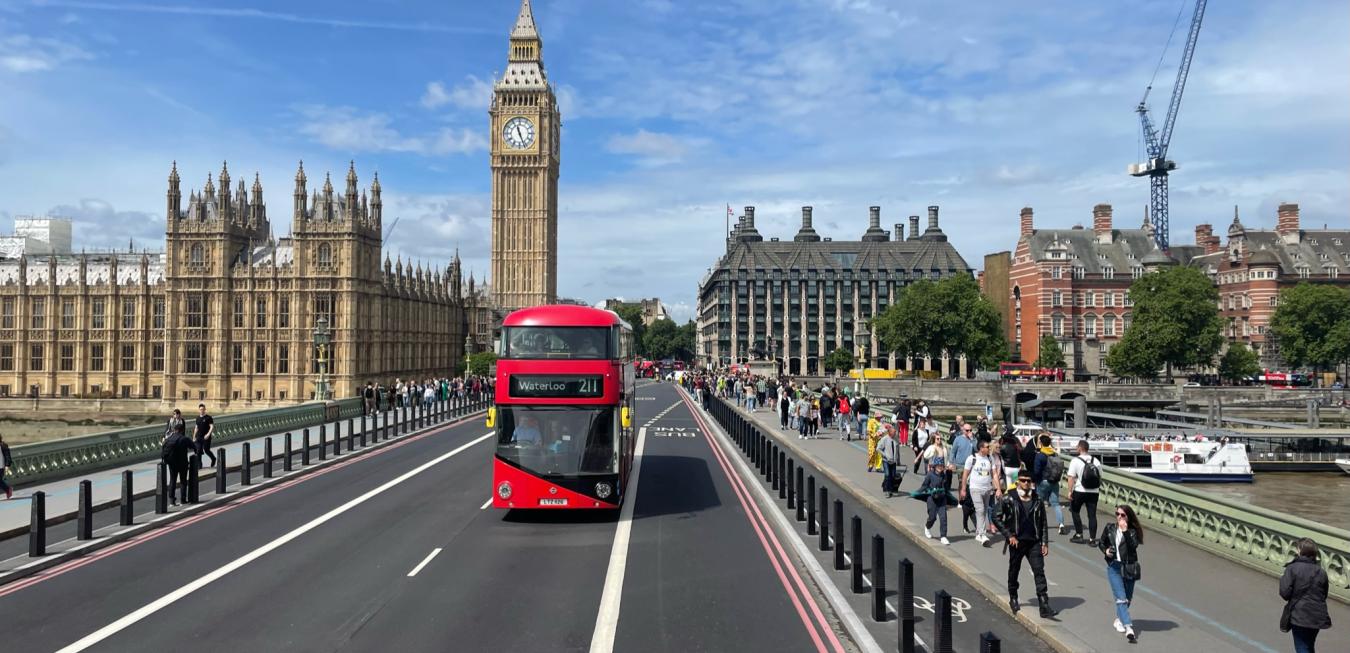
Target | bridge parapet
(1249,535)
(67,457)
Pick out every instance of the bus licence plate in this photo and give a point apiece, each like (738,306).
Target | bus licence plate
(553,502)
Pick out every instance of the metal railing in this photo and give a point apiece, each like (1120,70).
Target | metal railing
(65,457)
(1250,535)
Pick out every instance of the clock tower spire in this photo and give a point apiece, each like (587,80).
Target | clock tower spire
(526,127)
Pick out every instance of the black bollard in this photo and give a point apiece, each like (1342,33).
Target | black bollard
(787,480)
(407,410)
(304,449)
(942,622)
(220,470)
(838,519)
(246,466)
(128,503)
(906,606)
(780,475)
(811,505)
(161,489)
(337,438)
(286,462)
(856,553)
(351,435)
(84,512)
(194,479)
(989,643)
(364,422)
(879,578)
(323,442)
(824,519)
(37,526)
(267,457)
(775,467)
(801,508)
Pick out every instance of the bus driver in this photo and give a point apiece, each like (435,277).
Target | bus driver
(528,431)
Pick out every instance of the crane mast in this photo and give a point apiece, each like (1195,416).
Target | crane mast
(1156,141)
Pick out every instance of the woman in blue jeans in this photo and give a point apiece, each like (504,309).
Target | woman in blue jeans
(1120,542)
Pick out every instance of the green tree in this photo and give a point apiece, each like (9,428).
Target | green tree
(481,363)
(1312,325)
(687,342)
(662,340)
(632,314)
(949,317)
(1176,320)
(840,360)
(1052,355)
(1238,362)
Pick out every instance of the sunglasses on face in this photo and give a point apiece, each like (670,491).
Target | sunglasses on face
(1023,480)
(1121,514)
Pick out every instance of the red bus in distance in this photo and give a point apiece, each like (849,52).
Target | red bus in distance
(563,409)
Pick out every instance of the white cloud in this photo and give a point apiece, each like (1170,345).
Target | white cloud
(653,148)
(21,53)
(347,129)
(474,93)
(435,95)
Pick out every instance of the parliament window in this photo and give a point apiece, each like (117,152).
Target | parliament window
(39,313)
(67,358)
(197,255)
(284,312)
(157,313)
(128,313)
(128,358)
(238,312)
(96,358)
(157,358)
(283,359)
(260,359)
(325,255)
(7,313)
(6,358)
(260,314)
(67,314)
(196,311)
(35,355)
(194,358)
(99,313)
(238,365)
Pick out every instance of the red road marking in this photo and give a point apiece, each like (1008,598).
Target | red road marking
(72,565)
(762,529)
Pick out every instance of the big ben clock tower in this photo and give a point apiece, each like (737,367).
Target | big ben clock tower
(525,143)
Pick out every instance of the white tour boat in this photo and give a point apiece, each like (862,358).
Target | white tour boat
(1344,464)
(1180,460)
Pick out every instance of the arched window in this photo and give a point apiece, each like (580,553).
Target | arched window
(1109,328)
(197,255)
(325,254)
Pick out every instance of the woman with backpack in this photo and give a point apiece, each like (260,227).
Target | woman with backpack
(1046,474)
(1085,481)
(1120,543)
(845,417)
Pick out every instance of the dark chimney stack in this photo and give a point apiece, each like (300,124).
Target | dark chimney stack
(913,227)
(899,233)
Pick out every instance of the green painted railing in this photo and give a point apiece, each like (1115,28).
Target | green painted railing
(67,457)
(1250,535)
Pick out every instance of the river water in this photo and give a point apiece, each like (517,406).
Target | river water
(1323,497)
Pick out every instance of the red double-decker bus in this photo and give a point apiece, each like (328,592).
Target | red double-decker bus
(563,409)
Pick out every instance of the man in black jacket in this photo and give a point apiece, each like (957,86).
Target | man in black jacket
(1021,519)
(176,450)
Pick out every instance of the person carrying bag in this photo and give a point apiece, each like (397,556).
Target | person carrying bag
(1304,587)
(1120,542)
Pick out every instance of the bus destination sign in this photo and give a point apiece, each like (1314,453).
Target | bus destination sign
(556,386)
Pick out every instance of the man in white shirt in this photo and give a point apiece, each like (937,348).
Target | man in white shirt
(978,479)
(1084,495)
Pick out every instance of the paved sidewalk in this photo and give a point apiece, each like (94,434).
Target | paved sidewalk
(1188,600)
(63,495)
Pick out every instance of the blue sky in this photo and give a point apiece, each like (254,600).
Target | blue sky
(672,111)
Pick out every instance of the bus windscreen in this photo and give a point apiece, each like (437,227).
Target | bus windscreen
(557,440)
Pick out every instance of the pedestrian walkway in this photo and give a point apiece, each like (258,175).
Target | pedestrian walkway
(1188,600)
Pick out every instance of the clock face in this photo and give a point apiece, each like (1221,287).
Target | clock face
(519,133)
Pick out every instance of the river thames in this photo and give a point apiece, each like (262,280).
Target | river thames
(1323,497)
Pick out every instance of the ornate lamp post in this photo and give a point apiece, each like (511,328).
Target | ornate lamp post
(864,347)
(322,339)
(468,349)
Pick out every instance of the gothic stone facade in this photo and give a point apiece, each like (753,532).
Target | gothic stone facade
(796,301)
(526,134)
(226,313)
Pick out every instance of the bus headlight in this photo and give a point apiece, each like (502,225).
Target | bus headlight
(603,490)
(504,490)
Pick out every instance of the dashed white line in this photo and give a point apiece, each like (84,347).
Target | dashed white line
(607,620)
(486,504)
(424,562)
(662,414)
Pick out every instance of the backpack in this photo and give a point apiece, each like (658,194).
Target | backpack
(1054,469)
(1092,476)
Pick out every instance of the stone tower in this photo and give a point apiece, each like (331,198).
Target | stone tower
(526,130)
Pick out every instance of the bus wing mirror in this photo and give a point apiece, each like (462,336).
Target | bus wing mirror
(626,416)
(492,417)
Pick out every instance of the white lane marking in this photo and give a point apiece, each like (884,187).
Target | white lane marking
(486,504)
(662,413)
(607,621)
(178,594)
(424,562)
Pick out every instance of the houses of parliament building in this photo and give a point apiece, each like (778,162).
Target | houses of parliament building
(226,313)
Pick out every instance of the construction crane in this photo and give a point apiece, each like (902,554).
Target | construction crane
(1156,141)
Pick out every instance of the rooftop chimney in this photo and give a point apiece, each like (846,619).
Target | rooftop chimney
(1287,223)
(807,233)
(749,217)
(933,218)
(746,231)
(1101,222)
(899,233)
(1205,238)
(1027,225)
(913,227)
(874,231)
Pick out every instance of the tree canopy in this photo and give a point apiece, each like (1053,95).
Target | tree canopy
(632,314)
(663,339)
(1312,325)
(481,362)
(1051,355)
(950,316)
(1176,323)
(1238,363)
(840,360)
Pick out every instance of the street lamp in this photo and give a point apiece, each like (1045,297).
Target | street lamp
(864,343)
(322,338)
(468,349)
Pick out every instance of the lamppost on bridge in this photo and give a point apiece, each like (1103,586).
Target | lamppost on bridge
(864,347)
(468,349)
(322,339)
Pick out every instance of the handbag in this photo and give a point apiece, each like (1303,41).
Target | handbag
(1131,571)
(1285,624)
